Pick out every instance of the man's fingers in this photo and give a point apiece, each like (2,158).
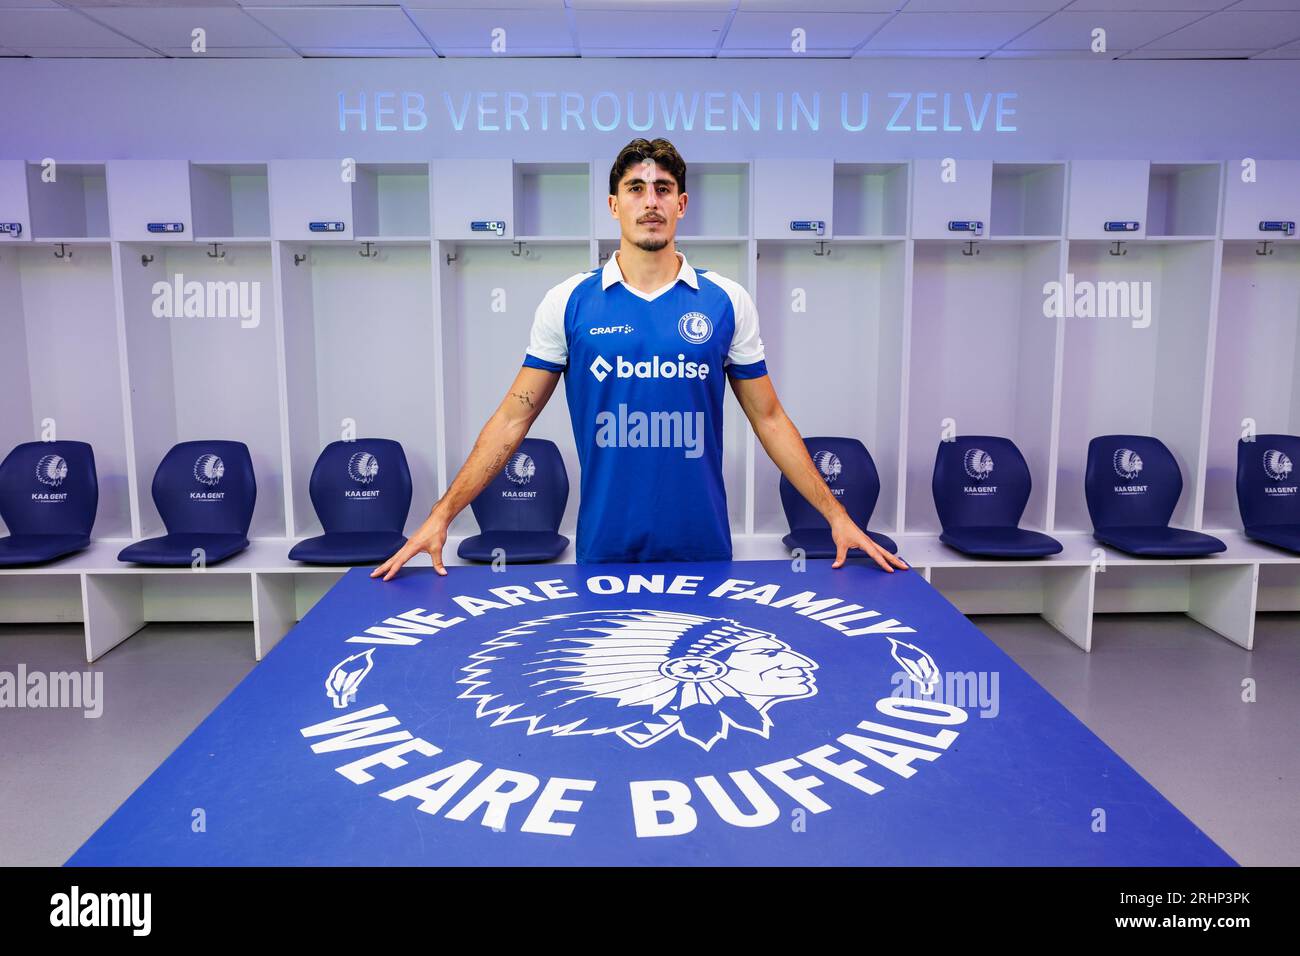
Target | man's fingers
(400,559)
(877,553)
(841,549)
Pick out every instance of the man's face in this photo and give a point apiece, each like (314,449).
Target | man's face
(648,206)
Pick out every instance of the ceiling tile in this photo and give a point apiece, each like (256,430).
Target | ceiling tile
(340,27)
(771,31)
(1235,31)
(986,6)
(472,29)
(55,28)
(386,51)
(823,6)
(868,53)
(226,53)
(1008,54)
(951,31)
(88,52)
(640,52)
(1151,6)
(225,26)
(1124,31)
(649,30)
(1150,54)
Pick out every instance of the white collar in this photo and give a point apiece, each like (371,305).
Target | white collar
(611,273)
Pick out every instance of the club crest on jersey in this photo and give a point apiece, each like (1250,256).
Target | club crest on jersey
(695,327)
(641,675)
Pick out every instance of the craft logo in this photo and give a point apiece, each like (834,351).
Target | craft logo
(51,471)
(978,464)
(695,327)
(1128,465)
(610,329)
(1277,465)
(208,470)
(724,684)
(654,367)
(363,468)
(641,675)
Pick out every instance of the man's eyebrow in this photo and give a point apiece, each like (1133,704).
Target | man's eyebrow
(666,180)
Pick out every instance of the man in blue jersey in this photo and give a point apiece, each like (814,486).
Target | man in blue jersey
(644,344)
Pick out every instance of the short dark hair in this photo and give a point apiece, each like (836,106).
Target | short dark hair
(661,151)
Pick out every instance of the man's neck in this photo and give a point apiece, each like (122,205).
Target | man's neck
(648,271)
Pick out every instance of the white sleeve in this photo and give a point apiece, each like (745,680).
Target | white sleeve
(746,345)
(547,340)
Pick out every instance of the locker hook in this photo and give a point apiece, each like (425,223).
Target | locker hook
(1119,249)
(367,253)
(970,249)
(821,249)
(62,252)
(299,258)
(1262,249)
(145,259)
(216,252)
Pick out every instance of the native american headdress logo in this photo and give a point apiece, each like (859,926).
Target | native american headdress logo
(1277,464)
(1128,463)
(978,463)
(829,464)
(363,468)
(51,470)
(208,470)
(643,675)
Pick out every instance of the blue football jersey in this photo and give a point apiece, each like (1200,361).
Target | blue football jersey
(644,374)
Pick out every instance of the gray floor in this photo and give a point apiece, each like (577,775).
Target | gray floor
(1162,691)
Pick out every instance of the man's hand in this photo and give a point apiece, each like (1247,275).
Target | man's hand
(430,537)
(847,534)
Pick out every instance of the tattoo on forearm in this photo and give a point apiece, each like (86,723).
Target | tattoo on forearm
(525,398)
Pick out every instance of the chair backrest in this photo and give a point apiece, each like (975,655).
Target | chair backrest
(362,485)
(206,487)
(980,481)
(1266,485)
(528,494)
(1131,480)
(849,472)
(49,487)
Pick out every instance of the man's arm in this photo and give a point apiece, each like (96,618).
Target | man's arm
(783,444)
(498,440)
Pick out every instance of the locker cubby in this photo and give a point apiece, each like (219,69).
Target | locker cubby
(488,299)
(551,200)
(391,200)
(1062,594)
(1122,379)
(870,200)
(982,358)
(73,206)
(718,203)
(1256,363)
(282,599)
(203,376)
(360,360)
(840,314)
(37,597)
(1183,199)
(1028,199)
(230,201)
(1279,586)
(1216,592)
(58,314)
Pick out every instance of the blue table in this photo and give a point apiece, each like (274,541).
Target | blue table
(740,712)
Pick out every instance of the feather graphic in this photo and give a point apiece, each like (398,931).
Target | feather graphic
(346,677)
(918,664)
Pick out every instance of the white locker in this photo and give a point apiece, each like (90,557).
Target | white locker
(306,191)
(149,192)
(465,191)
(793,191)
(15,214)
(1274,195)
(936,202)
(1108,190)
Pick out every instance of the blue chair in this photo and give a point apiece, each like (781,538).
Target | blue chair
(48,497)
(520,511)
(851,475)
(204,491)
(981,485)
(1266,490)
(1132,484)
(361,491)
